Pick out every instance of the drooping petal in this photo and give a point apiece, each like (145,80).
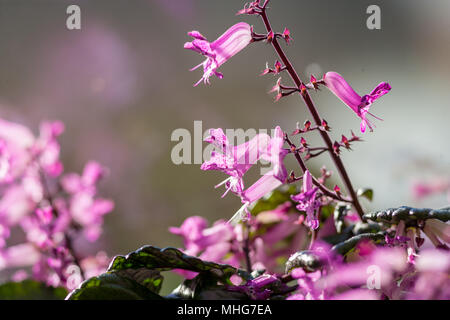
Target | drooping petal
(261,187)
(360,105)
(218,52)
(341,89)
(439,228)
(231,42)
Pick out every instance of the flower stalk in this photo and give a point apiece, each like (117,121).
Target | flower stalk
(316,117)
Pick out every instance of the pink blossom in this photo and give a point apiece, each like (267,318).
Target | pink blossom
(30,170)
(234,160)
(307,201)
(219,51)
(21,255)
(275,177)
(422,189)
(210,244)
(360,105)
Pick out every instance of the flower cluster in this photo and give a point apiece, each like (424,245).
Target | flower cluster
(322,235)
(53,209)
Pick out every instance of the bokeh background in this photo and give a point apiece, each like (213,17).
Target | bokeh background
(121,85)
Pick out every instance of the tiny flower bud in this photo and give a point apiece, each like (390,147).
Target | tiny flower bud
(337,189)
(303,142)
(270,36)
(325,125)
(278,97)
(296,131)
(287,35)
(344,140)
(303,88)
(354,137)
(314,83)
(336,147)
(292,175)
(278,66)
(267,70)
(276,87)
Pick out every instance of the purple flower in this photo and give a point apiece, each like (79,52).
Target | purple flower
(218,52)
(210,244)
(307,201)
(235,161)
(360,105)
(422,189)
(275,177)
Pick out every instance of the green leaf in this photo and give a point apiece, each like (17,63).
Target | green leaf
(112,286)
(30,290)
(274,199)
(408,214)
(204,288)
(366,193)
(151,257)
(347,245)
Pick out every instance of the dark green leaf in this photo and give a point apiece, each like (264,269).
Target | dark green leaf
(30,290)
(151,279)
(307,260)
(112,286)
(204,288)
(408,214)
(151,257)
(344,247)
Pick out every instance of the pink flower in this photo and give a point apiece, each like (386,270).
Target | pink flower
(210,244)
(21,255)
(360,105)
(275,177)
(88,212)
(92,173)
(308,202)
(234,160)
(218,52)
(422,189)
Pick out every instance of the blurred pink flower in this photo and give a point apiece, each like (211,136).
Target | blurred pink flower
(422,189)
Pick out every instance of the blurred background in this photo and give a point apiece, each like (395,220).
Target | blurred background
(121,85)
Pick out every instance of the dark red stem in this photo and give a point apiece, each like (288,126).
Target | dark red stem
(312,109)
